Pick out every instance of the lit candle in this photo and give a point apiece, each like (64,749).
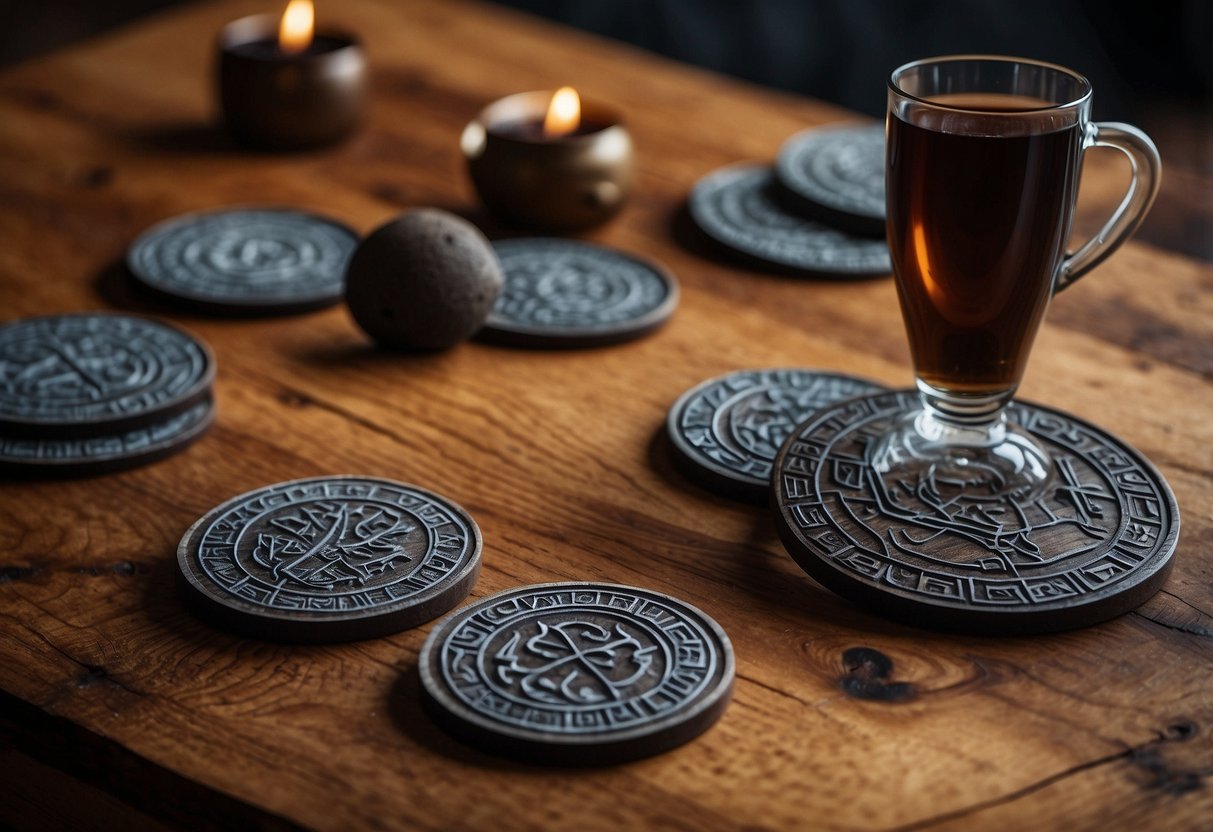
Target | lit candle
(282,86)
(549,160)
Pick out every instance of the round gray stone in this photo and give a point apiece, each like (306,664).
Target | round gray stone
(426,280)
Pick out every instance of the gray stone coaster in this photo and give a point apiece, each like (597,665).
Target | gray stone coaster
(727,431)
(328,559)
(738,207)
(246,261)
(577,673)
(837,173)
(940,553)
(564,293)
(97,374)
(33,457)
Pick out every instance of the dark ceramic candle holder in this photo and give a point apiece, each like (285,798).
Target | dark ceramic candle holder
(563,183)
(274,100)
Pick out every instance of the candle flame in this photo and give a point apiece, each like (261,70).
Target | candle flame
(298,24)
(564,113)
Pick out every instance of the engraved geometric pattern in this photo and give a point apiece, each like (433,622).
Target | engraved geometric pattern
(1106,522)
(96,368)
(578,660)
(330,546)
(245,257)
(841,167)
(566,285)
(737,422)
(736,206)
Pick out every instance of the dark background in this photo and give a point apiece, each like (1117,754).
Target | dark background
(843,50)
(1151,62)
(1135,53)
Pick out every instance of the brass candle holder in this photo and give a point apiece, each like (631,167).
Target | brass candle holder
(574,175)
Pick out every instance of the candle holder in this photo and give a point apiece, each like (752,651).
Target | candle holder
(274,100)
(555,183)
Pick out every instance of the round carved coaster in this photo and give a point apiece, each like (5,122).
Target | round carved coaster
(564,293)
(97,374)
(328,559)
(31,456)
(251,261)
(577,673)
(837,174)
(942,553)
(727,430)
(738,207)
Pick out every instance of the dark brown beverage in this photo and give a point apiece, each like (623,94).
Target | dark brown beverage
(979,208)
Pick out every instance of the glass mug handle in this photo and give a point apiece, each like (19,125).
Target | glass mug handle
(1147,167)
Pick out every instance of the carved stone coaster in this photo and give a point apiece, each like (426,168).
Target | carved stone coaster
(738,206)
(34,457)
(97,374)
(837,175)
(565,293)
(246,261)
(577,673)
(941,553)
(727,430)
(328,559)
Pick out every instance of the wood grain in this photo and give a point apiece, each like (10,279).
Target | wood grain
(560,459)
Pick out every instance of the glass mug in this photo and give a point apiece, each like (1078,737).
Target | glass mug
(983,160)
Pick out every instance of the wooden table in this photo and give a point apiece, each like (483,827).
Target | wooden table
(120,709)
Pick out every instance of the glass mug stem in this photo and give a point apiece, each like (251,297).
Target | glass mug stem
(983,160)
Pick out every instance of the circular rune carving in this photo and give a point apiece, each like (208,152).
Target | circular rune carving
(564,293)
(838,173)
(26,456)
(329,559)
(577,673)
(737,206)
(247,260)
(1095,543)
(97,373)
(727,430)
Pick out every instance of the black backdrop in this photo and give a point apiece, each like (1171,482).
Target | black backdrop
(843,50)
(1138,53)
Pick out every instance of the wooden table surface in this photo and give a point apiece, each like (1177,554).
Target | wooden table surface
(119,709)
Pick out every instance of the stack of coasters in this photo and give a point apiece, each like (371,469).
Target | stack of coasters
(248,261)
(562,293)
(727,430)
(577,673)
(328,559)
(90,393)
(836,175)
(819,210)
